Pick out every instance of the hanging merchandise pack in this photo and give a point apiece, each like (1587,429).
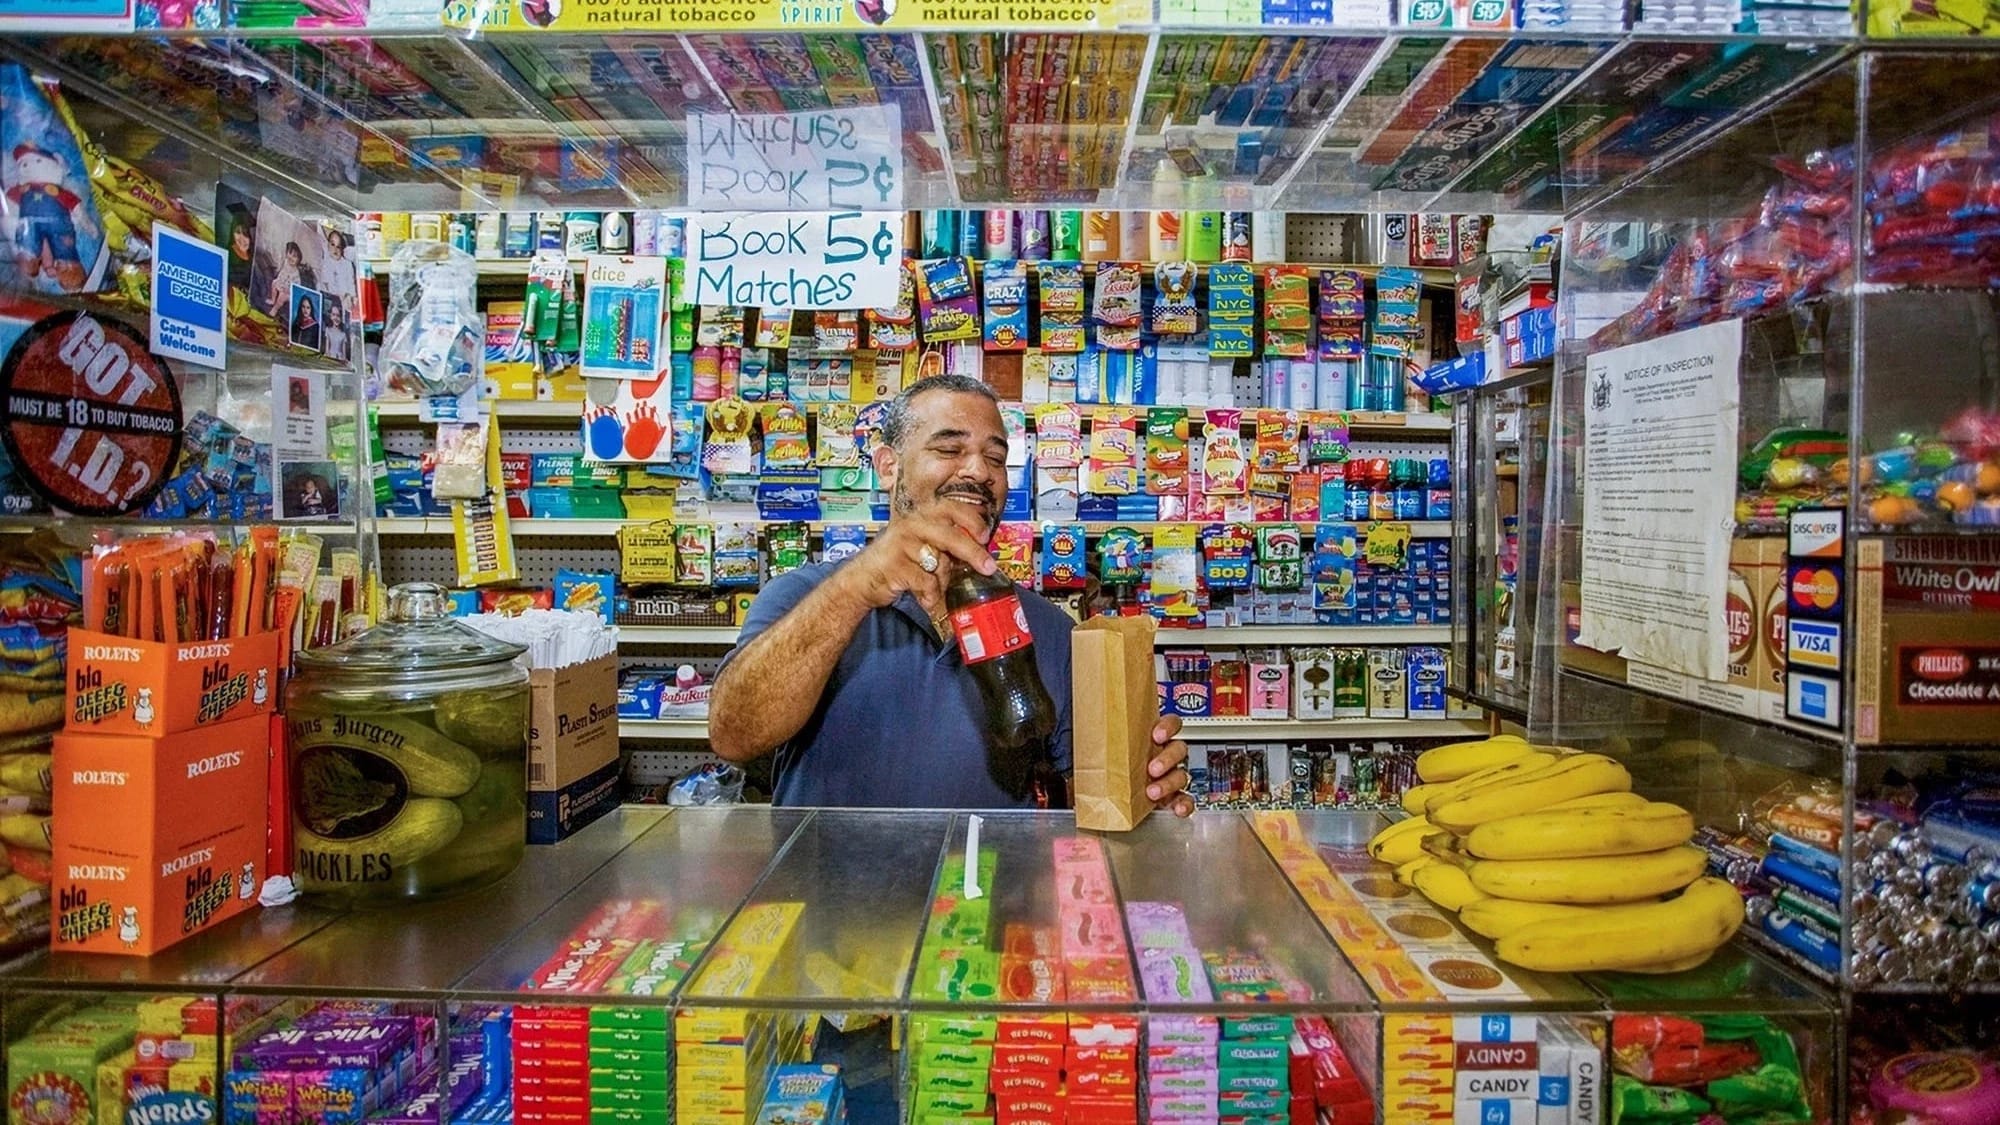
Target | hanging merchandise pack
(434,343)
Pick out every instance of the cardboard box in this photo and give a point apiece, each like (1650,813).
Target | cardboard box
(118,685)
(156,838)
(573,762)
(1594,661)
(1115,703)
(1927,642)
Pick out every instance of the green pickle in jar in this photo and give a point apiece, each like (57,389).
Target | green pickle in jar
(409,748)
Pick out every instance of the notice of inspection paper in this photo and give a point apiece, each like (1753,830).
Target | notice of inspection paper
(1659,498)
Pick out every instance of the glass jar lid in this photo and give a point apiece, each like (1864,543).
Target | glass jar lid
(416,634)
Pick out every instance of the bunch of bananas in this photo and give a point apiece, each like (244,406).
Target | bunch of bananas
(1549,853)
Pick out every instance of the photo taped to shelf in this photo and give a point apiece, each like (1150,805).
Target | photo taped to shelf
(305,321)
(298,400)
(288,253)
(308,490)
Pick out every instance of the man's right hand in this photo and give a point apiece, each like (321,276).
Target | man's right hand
(893,564)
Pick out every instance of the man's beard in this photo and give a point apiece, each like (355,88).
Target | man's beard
(902,503)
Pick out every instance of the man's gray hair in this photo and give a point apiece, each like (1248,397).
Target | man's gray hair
(896,425)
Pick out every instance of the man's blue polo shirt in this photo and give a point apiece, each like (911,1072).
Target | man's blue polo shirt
(901,723)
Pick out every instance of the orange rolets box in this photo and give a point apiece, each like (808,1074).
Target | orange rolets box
(156,838)
(118,685)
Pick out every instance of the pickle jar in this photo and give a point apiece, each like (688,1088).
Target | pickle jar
(409,750)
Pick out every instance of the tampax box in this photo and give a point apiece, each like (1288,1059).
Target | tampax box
(156,838)
(118,685)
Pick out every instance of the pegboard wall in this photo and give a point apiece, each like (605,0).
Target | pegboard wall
(648,764)
(429,558)
(1322,238)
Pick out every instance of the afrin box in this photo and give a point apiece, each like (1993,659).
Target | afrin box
(156,838)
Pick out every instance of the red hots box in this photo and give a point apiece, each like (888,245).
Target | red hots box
(118,685)
(156,838)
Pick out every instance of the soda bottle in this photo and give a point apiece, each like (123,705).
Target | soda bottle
(993,637)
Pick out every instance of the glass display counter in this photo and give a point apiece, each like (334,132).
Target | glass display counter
(667,965)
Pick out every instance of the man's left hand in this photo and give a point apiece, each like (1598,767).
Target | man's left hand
(1168,769)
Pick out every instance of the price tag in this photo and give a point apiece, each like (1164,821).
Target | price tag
(828,159)
(799,260)
(1388,545)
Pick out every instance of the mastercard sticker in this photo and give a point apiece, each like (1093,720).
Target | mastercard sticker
(1816,589)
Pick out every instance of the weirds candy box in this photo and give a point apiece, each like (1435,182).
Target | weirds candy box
(156,838)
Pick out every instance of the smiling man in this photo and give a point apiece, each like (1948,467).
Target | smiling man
(848,671)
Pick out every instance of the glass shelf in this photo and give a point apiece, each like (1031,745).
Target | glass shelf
(1234,899)
(424,950)
(846,900)
(676,885)
(1365,119)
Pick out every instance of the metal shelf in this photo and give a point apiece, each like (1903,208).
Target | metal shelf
(519,409)
(1306,635)
(678,634)
(692,729)
(441,525)
(487,267)
(1219,730)
(1165,638)
(1362,421)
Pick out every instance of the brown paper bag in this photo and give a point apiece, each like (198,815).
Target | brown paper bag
(1114,704)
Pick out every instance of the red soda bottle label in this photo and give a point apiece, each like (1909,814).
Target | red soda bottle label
(991,629)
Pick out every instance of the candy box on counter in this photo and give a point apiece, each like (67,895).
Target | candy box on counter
(573,762)
(156,838)
(120,685)
(804,1094)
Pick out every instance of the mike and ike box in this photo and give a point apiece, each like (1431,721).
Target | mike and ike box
(119,685)
(156,839)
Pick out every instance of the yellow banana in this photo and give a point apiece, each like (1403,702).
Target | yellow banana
(1591,880)
(1416,795)
(1450,790)
(1498,917)
(1406,873)
(1408,846)
(1414,827)
(1702,918)
(1443,847)
(1693,961)
(1578,775)
(1575,833)
(1446,885)
(1462,759)
(1613,800)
